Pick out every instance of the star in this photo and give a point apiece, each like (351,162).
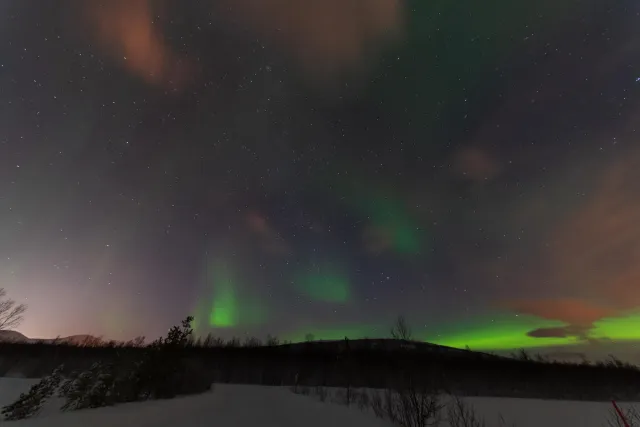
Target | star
(325,175)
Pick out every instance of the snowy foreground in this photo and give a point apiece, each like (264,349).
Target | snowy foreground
(248,406)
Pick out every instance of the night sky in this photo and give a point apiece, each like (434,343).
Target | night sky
(322,166)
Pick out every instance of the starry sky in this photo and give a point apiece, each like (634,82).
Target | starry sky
(289,167)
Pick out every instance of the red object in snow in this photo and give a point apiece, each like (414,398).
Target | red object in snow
(620,414)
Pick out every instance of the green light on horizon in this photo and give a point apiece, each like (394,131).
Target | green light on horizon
(498,333)
(501,333)
(625,328)
(508,332)
(333,334)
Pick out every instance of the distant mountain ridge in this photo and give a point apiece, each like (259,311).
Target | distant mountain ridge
(17,337)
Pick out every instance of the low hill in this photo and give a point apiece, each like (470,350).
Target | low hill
(390,344)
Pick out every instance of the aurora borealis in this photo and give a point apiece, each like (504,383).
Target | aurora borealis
(320,167)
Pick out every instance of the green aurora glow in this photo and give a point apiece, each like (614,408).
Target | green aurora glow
(224,312)
(504,332)
(389,215)
(625,328)
(498,333)
(327,284)
(510,332)
(226,307)
(336,333)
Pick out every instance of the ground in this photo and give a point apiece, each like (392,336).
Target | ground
(248,406)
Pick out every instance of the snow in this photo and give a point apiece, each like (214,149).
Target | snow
(532,412)
(551,413)
(225,406)
(248,406)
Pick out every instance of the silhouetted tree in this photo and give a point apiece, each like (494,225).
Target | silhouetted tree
(139,341)
(233,343)
(523,355)
(272,341)
(208,341)
(252,342)
(11,313)
(401,329)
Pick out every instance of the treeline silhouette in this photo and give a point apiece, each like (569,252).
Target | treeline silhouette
(370,363)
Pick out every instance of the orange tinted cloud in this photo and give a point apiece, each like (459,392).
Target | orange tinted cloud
(377,239)
(324,35)
(126,29)
(596,251)
(571,311)
(591,255)
(475,164)
(270,239)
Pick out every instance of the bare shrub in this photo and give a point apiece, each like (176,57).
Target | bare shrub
(631,415)
(503,423)
(459,414)
(389,405)
(363,400)
(411,405)
(347,396)
(417,406)
(341,397)
(321,393)
(305,391)
(377,404)
(354,395)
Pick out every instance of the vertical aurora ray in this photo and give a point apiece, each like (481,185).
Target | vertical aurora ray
(224,311)
(224,305)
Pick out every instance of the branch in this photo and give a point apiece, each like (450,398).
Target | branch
(11,315)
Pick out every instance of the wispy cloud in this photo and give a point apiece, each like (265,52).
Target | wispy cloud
(127,30)
(322,36)
(270,240)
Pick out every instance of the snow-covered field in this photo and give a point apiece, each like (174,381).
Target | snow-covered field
(248,406)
